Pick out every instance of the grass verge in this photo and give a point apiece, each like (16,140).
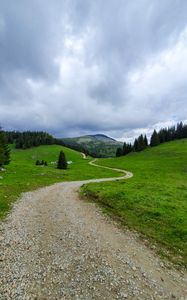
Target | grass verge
(154,201)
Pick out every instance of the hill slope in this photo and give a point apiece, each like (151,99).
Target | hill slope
(154,201)
(98,145)
(23,175)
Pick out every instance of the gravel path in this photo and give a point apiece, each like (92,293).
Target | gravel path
(53,245)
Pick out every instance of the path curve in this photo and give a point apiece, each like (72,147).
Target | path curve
(126,176)
(55,246)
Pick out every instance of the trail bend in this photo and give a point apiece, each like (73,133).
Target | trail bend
(53,245)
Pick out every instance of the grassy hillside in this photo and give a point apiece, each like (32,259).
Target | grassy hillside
(98,144)
(154,201)
(22,174)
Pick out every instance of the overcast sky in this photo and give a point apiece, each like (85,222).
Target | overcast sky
(74,67)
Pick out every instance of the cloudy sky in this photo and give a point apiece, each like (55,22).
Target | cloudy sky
(74,67)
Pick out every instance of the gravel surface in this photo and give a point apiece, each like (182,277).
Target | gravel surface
(54,245)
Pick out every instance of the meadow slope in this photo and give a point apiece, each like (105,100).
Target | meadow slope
(23,175)
(154,201)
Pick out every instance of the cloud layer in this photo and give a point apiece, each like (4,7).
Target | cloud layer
(76,67)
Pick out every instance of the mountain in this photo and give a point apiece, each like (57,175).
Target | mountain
(98,145)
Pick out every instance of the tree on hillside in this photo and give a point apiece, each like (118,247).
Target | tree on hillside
(62,163)
(184,131)
(4,150)
(119,152)
(140,143)
(179,131)
(145,141)
(135,145)
(127,148)
(154,139)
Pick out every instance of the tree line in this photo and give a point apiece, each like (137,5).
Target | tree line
(163,135)
(28,139)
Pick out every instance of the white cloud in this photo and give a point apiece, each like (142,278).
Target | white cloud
(78,70)
(162,80)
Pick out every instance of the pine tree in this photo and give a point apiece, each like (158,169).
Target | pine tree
(135,145)
(119,152)
(38,163)
(127,148)
(141,143)
(184,131)
(154,139)
(62,163)
(4,150)
(6,154)
(179,130)
(1,149)
(145,141)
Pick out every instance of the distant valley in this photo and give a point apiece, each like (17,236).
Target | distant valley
(98,145)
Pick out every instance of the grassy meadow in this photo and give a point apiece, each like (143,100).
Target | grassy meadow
(154,201)
(23,175)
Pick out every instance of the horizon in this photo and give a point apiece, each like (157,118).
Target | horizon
(145,132)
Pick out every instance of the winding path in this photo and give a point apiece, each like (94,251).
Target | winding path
(53,245)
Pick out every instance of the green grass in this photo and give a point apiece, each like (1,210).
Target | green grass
(154,201)
(22,175)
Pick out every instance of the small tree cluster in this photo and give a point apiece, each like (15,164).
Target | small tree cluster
(4,150)
(62,163)
(41,163)
(140,143)
(127,148)
(155,139)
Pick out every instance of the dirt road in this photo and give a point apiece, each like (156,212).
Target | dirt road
(54,245)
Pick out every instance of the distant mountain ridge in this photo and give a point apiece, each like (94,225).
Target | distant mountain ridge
(103,137)
(97,145)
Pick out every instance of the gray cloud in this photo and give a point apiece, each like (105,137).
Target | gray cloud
(73,67)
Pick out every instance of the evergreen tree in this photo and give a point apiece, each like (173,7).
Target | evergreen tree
(38,163)
(62,163)
(1,149)
(179,131)
(154,139)
(184,131)
(6,154)
(4,150)
(145,141)
(119,152)
(135,145)
(127,148)
(141,143)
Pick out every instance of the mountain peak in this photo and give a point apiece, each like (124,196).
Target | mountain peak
(100,136)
